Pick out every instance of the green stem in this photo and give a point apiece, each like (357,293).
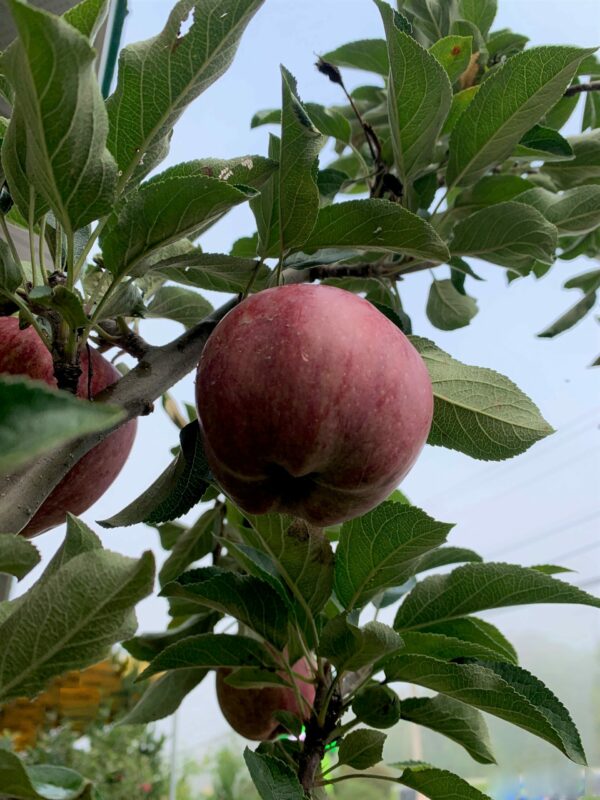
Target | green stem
(367,776)
(341,730)
(70,260)
(31,226)
(330,692)
(250,283)
(26,312)
(13,249)
(41,240)
(441,200)
(58,247)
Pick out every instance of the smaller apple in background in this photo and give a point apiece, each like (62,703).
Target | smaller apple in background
(23,353)
(250,711)
(312,403)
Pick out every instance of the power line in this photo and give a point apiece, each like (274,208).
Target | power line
(577,552)
(541,451)
(565,526)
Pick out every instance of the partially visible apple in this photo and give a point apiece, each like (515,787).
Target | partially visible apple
(250,711)
(23,353)
(312,403)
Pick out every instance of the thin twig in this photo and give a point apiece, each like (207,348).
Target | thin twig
(592,86)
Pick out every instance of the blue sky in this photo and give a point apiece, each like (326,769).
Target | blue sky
(554,488)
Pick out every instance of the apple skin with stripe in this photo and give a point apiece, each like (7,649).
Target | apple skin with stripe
(311,403)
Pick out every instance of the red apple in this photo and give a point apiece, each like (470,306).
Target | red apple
(23,353)
(250,711)
(312,403)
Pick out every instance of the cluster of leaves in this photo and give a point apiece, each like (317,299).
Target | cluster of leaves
(118,762)
(448,147)
(310,591)
(49,630)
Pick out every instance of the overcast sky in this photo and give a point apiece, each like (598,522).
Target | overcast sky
(534,509)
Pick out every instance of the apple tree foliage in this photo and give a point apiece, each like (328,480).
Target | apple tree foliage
(450,151)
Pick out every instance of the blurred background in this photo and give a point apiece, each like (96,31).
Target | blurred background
(543,507)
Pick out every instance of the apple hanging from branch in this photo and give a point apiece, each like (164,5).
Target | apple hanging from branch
(312,403)
(23,353)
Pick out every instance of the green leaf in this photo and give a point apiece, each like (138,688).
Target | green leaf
(178,489)
(146,646)
(68,303)
(249,600)
(376,225)
(79,539)
(507,104)
(164,696)
(329,122)
(447,308)
(71,619)
(477,587)
(213,271)
(87,16)
(330,182)
(505,43)
(211,651)
(10,274)
(168,207)
(265,207)
(439,784)
(419,97)
(478,411)
(508,234)
(584,168)
(302,555)
(44,782)
(442,556)
(453,53)
(180,305)
(480,12)
(370,55)
(274,779)
(541,143)
(376,550)
(460,101)
(361,749)
(446,648)
(298,192)
(17,556)
(591,112)
(267,116)
(491,189)
(575,211)
(503,690)
(34,419)
(350,648)
(431,17)
(477,631)
(159,77)
(196,542)
(457,721)
(589,283)
(253,171)
(67,159)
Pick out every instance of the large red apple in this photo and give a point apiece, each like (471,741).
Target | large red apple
(23,353)
(250,711)
(312,403)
